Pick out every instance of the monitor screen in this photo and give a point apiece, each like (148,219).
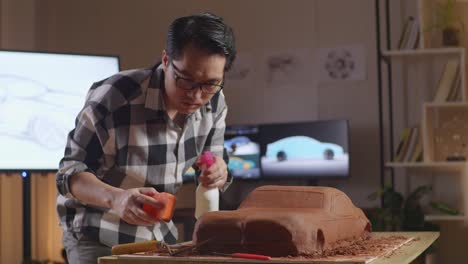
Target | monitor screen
(241,144)
(40,97)
(316,149)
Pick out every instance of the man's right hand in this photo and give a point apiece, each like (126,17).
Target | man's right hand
(128,205)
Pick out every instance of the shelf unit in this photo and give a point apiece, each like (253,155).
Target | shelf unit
(444,125)
(459,53)
(421,52)
(443,130)
(435,218)
(430,166)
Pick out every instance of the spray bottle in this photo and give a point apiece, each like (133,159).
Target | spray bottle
(207,199)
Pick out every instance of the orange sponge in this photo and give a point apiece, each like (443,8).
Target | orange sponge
(166,212)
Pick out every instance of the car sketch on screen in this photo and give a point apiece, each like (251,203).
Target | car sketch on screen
(41,94)
(30,110)
(244,157)
(297,155)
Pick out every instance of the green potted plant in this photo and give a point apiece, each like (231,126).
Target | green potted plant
(400,214)
(449,22)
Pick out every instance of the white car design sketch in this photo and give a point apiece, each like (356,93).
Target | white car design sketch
(33,111)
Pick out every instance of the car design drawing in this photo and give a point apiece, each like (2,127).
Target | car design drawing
(32,111)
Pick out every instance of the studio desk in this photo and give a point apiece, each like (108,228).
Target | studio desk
(404,253)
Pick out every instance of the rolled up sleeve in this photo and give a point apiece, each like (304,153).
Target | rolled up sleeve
(84,148)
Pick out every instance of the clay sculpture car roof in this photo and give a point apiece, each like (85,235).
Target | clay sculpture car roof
(283,221)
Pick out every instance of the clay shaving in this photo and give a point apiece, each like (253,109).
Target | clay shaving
(364,247)
(373,246)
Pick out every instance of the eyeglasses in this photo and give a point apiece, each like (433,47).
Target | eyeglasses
(188,85)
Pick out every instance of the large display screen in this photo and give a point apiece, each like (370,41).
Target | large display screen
(40,97)
(303,150)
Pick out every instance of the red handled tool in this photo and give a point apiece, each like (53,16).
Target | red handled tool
(244,256)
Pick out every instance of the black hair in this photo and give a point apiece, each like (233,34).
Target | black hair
(206,31)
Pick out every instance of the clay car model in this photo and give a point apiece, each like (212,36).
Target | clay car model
(283,221)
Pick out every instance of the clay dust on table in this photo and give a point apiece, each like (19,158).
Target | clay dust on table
(373,246)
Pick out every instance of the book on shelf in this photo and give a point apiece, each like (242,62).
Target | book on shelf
(417,154)
(447,81)
(410,145)
(405,142)
(410,34)
(405,32)
(455,90)
(412,141)
(401,143)
(413,38)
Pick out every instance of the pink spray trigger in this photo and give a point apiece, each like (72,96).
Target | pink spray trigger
(207,159)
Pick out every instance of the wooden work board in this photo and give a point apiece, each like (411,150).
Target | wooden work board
(404,252)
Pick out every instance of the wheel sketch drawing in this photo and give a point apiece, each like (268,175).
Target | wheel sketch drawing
(340,64)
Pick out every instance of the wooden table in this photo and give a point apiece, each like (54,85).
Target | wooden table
(402,255)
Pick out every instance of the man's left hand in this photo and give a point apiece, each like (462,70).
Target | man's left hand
(215,175)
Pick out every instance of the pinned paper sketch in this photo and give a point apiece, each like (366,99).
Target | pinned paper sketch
(341,64)
(240,87)
(242,67)
(286,67)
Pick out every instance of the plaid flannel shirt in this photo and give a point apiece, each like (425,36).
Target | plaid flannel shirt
(124,136)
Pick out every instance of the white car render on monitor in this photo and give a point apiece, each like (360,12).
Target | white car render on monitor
(302,155)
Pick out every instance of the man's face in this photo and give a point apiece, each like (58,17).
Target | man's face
(194,69)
